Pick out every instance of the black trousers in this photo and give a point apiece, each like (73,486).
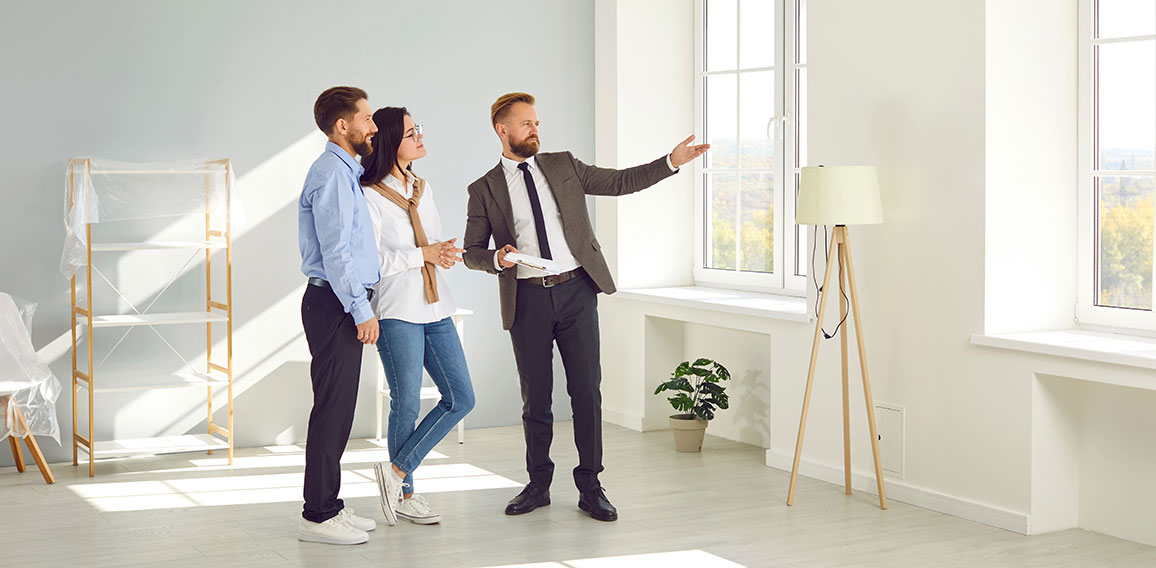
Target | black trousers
(335,370)
(568,314)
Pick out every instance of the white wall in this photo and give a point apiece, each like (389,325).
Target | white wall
(969,113)
(644,106)
(901,85)
(1030,144)
(1117,457)
(141,81)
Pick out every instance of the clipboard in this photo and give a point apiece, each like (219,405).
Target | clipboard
(537,263)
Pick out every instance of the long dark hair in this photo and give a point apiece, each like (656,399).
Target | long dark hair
(390,123)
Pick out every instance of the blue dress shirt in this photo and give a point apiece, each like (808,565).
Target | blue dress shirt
(335,233)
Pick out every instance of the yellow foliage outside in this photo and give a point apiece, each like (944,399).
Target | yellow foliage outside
(1126,254)
(757,241)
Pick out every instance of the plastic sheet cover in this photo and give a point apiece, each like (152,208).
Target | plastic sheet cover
(28,389)
(99,191)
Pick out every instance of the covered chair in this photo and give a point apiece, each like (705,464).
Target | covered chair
(28,389)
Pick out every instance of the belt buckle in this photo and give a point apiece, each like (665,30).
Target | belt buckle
(548,282)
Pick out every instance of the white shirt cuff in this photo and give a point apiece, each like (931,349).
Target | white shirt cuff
(670,164)
(497,266)
(416,258)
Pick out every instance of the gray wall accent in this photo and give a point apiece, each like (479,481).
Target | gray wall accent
(151,81)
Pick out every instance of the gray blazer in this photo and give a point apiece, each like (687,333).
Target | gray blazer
(489,214)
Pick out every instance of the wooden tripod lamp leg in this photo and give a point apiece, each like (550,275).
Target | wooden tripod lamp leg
(843,365)
(867,398)
(811,374)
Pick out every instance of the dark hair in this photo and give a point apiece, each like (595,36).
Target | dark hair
(390,123)
(501,107)
(335,103)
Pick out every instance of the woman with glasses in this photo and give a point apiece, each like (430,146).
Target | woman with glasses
(413,308)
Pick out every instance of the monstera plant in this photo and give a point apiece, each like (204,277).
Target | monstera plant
(696,395)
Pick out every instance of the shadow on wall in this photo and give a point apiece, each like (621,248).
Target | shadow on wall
(286,420)
(269,343)
(238,80)
(268,339)
(752,408)
(266,299)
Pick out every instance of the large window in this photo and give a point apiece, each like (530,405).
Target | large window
(1117,164)
(750,86)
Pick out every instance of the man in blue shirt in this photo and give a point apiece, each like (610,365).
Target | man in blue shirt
(339,257)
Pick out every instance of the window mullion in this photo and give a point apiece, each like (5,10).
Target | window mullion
(739,136)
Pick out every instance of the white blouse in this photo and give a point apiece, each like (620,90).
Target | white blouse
(400,294)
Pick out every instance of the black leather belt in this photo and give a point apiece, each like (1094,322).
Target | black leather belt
(322,283)
(554,279)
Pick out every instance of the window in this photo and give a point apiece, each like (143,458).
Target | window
(750,90)
(1117,168)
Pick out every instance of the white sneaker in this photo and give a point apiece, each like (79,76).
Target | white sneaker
(360,523)
(332,531)
(417,510)
(389,488)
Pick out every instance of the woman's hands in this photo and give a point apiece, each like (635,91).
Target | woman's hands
(443,254)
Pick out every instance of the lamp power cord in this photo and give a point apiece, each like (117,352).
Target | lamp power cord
(814,278)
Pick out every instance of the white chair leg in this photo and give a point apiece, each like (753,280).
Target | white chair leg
(380,400)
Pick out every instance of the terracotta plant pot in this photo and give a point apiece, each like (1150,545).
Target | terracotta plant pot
(688,432)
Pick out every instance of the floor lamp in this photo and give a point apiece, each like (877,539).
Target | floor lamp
(840,196)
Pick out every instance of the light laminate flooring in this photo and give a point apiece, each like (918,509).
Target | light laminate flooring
(720,508)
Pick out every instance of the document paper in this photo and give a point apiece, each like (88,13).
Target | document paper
(542,264)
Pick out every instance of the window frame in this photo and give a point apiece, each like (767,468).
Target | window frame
(1088,314)
(784,278)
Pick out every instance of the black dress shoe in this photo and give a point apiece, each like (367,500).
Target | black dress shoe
(529,499)
(594,501)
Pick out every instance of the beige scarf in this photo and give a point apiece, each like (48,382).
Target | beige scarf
(410,206)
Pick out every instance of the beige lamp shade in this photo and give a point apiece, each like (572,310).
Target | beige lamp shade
(839,195)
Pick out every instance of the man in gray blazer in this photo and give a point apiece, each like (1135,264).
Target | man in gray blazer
(536,204)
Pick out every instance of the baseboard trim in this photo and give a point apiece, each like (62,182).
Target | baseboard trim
(634,421)
(906,493)
(624,419)
(652,424)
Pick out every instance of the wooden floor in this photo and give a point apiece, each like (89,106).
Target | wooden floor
(722,507)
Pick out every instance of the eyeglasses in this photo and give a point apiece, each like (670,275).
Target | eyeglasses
(416,132)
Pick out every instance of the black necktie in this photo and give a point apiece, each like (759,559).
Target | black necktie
(536,209)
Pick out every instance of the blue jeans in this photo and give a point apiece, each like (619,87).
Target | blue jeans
(404,349)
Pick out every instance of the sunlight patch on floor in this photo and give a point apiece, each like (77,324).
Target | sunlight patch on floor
(281,456)
(678,559)
(271,488)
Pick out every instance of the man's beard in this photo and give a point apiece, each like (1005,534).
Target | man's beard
(526,148)
(362,146)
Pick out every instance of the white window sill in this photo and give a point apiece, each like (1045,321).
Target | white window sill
(787,308)
(1112,348)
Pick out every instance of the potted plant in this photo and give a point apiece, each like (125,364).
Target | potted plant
(697,393)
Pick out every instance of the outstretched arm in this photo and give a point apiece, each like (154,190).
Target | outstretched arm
(606,181)
(684,153)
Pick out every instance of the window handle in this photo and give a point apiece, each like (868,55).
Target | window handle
(782,123)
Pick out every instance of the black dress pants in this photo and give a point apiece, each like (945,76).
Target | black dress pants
(335,370)
(567,314)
